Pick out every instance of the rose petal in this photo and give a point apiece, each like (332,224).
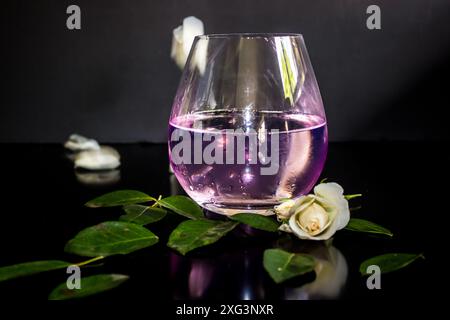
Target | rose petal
(314,214)
(285,227)
(334,194)
(326,234)
(330,191)
(302,203)
(298,231)
(77,142)
(103,159)
(183,37)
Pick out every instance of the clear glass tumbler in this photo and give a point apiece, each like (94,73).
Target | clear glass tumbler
(247,127)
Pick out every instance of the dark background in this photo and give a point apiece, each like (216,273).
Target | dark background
(114,79)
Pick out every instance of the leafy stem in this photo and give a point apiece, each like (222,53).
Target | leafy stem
(352,196)
(83,263)
(156,202)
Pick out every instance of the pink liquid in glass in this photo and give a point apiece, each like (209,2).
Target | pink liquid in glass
(231,188)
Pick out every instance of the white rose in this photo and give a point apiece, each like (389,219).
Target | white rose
(318,216)
(183,37)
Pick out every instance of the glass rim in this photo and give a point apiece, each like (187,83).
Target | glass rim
(249,35)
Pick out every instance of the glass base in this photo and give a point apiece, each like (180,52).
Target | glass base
(229,210)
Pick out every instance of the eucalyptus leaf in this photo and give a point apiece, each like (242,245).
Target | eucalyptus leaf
(182,205)
(361,225)
(256,221)
(282,265)
(30,268)
(142,215)
(110,238)
(192,234)
(119,198)
(89,286)
(389,262)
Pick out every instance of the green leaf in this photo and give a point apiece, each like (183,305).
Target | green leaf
(389,262)
(89,286)
(352,196)
(282,265)
(192,234)
(361,225)
(30,268)
(142,215)
(183,206)
(109,238)
(323,180)
(119,198)
(256,221)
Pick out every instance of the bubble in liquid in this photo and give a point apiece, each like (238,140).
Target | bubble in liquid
(247,177)
(226,188)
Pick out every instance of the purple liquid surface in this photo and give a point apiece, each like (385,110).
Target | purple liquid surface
(231,188)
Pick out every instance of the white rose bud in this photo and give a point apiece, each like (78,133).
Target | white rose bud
(319,216)
(183,37)
(283,210)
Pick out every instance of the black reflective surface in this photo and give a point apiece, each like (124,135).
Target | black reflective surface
(403,186)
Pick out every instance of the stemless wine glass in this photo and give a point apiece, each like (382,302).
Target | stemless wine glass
(248,127)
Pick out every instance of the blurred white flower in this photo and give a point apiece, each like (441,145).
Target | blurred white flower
(183,37)
(103,159)
(77,142)
(317,216)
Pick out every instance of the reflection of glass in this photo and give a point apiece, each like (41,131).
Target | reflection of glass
(331,276)
(257,88)
(200,278)
(239,274)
